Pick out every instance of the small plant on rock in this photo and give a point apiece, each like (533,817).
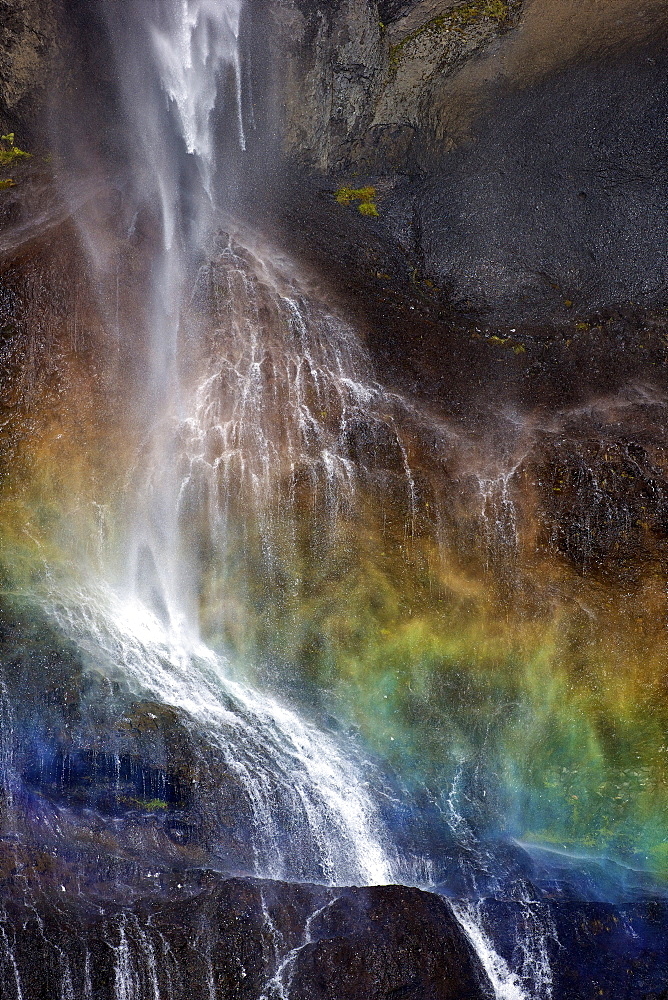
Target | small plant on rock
(10,152)
(365,198)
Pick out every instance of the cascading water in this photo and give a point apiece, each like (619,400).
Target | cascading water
(169,100)
(254,406)
(297,783)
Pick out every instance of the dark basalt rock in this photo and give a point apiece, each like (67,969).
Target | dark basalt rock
(365,948)
(29,44)
(596,949)
(117,781)
(192,933)
(604,505)
(556,204)
(519,201)
(238,939)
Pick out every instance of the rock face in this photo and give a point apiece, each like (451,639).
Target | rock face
(361,94)
(362,947)
(556,204)
(516,151)
(95,768)
(29,44)
(238,939)
(599,949)
(517,170)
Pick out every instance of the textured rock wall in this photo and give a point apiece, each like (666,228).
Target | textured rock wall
(29,45)
(239,939)
(516,149)
(358,91)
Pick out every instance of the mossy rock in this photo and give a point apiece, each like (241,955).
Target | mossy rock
(365,197)
(456,20)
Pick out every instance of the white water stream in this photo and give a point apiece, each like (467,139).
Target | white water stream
(309,808)
(287,391)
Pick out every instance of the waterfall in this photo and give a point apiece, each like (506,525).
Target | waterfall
(176,60)
(192,53)
(254,407)
(297,784)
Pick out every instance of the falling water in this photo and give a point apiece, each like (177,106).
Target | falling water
(299,786)
(289,397)
(7,778)
(192,55)
(278,987)
(11,974)
(170,101)
(273,385)
(277,391)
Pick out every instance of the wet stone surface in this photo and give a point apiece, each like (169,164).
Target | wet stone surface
(240,939)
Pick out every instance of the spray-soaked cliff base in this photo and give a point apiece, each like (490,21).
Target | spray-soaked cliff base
(333,501)
(511,563)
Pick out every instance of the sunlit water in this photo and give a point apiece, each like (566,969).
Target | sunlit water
(311,813)
(278,390)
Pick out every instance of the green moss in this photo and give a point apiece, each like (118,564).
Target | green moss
(460,17)
(10,154)
(150,805)
(507,342)
(496,9)
(346,195)
(365,197)
(9,151)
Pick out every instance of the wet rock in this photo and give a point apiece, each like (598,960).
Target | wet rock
(184,934)
(596,949)
(110,783)
(364,947)
(28,41)
(92,766)
(238,939)
(604,505)
(358,82)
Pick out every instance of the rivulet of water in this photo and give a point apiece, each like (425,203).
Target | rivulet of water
(288,401)
(250,390)
(309,807)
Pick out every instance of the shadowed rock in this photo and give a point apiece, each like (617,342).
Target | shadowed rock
(364,948)
(239,939)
